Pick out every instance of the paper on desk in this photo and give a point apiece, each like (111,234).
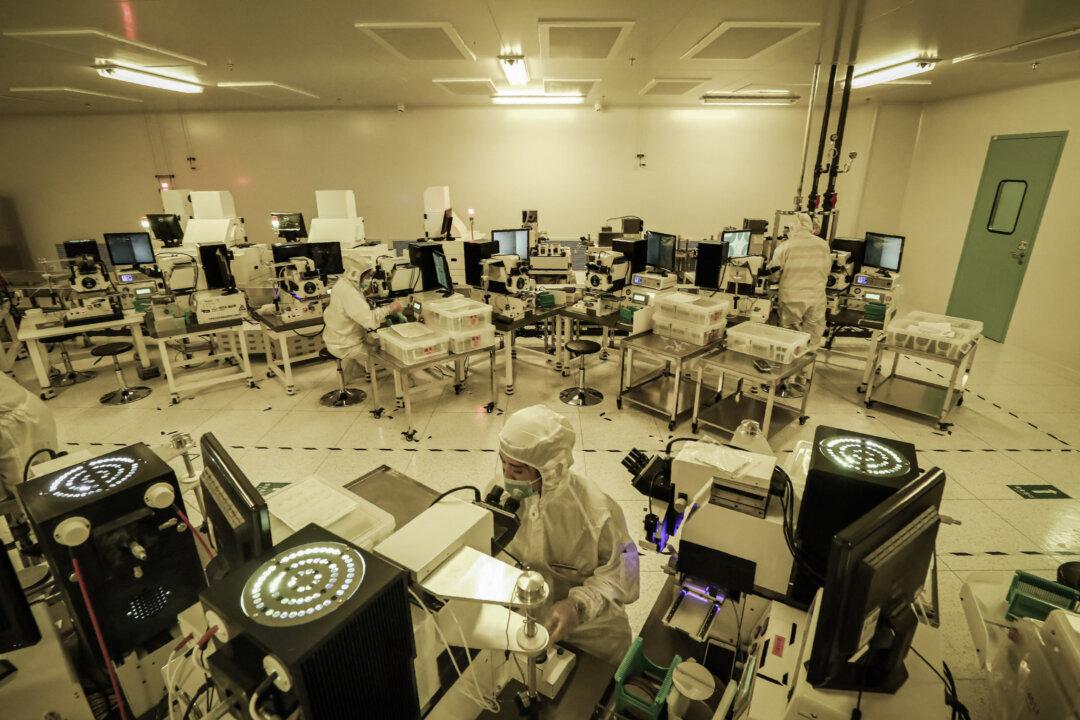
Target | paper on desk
(311,500)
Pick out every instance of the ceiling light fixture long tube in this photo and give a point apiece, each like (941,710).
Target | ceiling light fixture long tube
(751,100)
(893,72)
(515,69)
(538,99)
(148,79)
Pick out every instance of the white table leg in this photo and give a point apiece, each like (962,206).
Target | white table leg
(166,366)
(508,339)
(140,346)
(286,363)
(40,359)
(245,357)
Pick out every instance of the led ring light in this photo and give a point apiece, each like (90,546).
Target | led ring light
(863,455)
(93,477)
(302,584)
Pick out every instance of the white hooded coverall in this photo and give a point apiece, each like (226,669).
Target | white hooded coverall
(805,262)
(573,534)
(26,426)
(349,315)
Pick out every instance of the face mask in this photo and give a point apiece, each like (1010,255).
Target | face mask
(520,489)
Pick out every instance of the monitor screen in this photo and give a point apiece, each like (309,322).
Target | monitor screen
(77,248)
(129,248)
(214,260)
(442,271)
(285,252)
(447,223)
(660,250)
(18,629)
(883,251)
(855,246)
(288,224)
(512,242)
(756,226)
(327,257)
(738,242)
(166,228)
(238,515)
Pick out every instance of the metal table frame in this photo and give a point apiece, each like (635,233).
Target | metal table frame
(9,351)
(403,375)
(568,324)
(641,392)
(508,330)
(727,412)
(907,393)
(274,330)
(209,377)
(36,338)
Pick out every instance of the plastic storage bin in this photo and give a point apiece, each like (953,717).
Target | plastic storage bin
(474,339)
(906,332)
(769,342)
(667,305)
(412,342)
(695,333)
(710,311)
(454,315)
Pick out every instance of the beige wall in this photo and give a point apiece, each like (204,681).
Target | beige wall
(705,168)
(952,142)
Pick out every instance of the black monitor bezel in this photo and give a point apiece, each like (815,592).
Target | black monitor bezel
(129,235)
(899,259)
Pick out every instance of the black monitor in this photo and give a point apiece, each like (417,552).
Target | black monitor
(447,223)
(166,228)
(738,242)
(442,272)
(660,250)
(883,252)
(129,248)
(877,567)
(74,249)
(238,515)
(214,259)
(327,257)
(855,246)
(288,225)
(17,626)
(286,252)
(756,226)
(512,242)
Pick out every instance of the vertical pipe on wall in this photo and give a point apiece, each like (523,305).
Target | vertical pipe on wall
(834,166)
(806,134)
(812,204)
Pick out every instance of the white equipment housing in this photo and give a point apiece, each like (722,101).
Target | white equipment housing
(178,202)
(504,274)
(252,265)
(606,271)
(215,220)
(337,218)
(216,306)
(653,281)
(436,203)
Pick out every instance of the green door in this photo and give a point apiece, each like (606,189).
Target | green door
(1015,183)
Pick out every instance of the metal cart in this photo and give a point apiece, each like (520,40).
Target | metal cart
(230,365)
(275,330)
(915,395)
(667,390)
(772,412)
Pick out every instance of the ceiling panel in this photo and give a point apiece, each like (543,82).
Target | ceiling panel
(580,87)
(745,40)
(482,87)
(583,39)
(672,86)
(419,40)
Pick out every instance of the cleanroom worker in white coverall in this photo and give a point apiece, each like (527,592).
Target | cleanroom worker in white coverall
(571,533)
(350,314)
(804,263)
(26,426)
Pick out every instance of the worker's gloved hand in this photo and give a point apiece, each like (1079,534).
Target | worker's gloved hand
(561,620)
(395,308)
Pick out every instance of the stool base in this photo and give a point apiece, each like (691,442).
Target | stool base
(125,396)
(581,396)
(343,398)
(73,378)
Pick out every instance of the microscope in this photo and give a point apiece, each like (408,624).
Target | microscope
(394,277)
(606,270)
(93,299)
(300,290)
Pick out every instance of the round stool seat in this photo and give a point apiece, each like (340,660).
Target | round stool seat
(1068,574)
(62,338)
(111,349)
(327,355)
(583,347)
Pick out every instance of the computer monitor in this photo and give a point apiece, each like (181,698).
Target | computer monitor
(442,271)
(74,249)
(17,626)
(214,259)
(166,228)
(129,248)
(756,226)
(660,250)
(447,223)
(855,246)
(286,252)
(512,242)
(288,225)
(738,242)
(883,252)
(877,567)
(238,515)
(327,257)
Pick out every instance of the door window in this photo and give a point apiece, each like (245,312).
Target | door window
(1007,203)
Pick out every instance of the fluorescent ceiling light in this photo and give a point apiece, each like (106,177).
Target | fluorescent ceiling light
(1014,47)
(893,72)
(748,99)
(115,71)
(515,69)
(536,99)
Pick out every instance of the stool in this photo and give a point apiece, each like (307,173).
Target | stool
(124,394)
(70,376)
(581,396)
(1068,574)
(343,396)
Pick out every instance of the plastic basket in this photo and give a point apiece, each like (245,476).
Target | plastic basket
(905,332)
(667,304)
(467,340)
(636,664)
(704,311)
(768,342)
(1034,597)
(694,333)
(455,315)
(412,342)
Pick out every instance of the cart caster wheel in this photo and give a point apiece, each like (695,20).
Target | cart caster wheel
(47,394)
(694,428)
(803,419)
(490,407)
(174,400)
(944,427)
(457,388)
(399,403)
(960,401)
(290,391)
(861,389)
(870,403)
(252,385)
(618,403)
(671,425)
(410,435)
(377,412)
(270,373)
(603,356)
